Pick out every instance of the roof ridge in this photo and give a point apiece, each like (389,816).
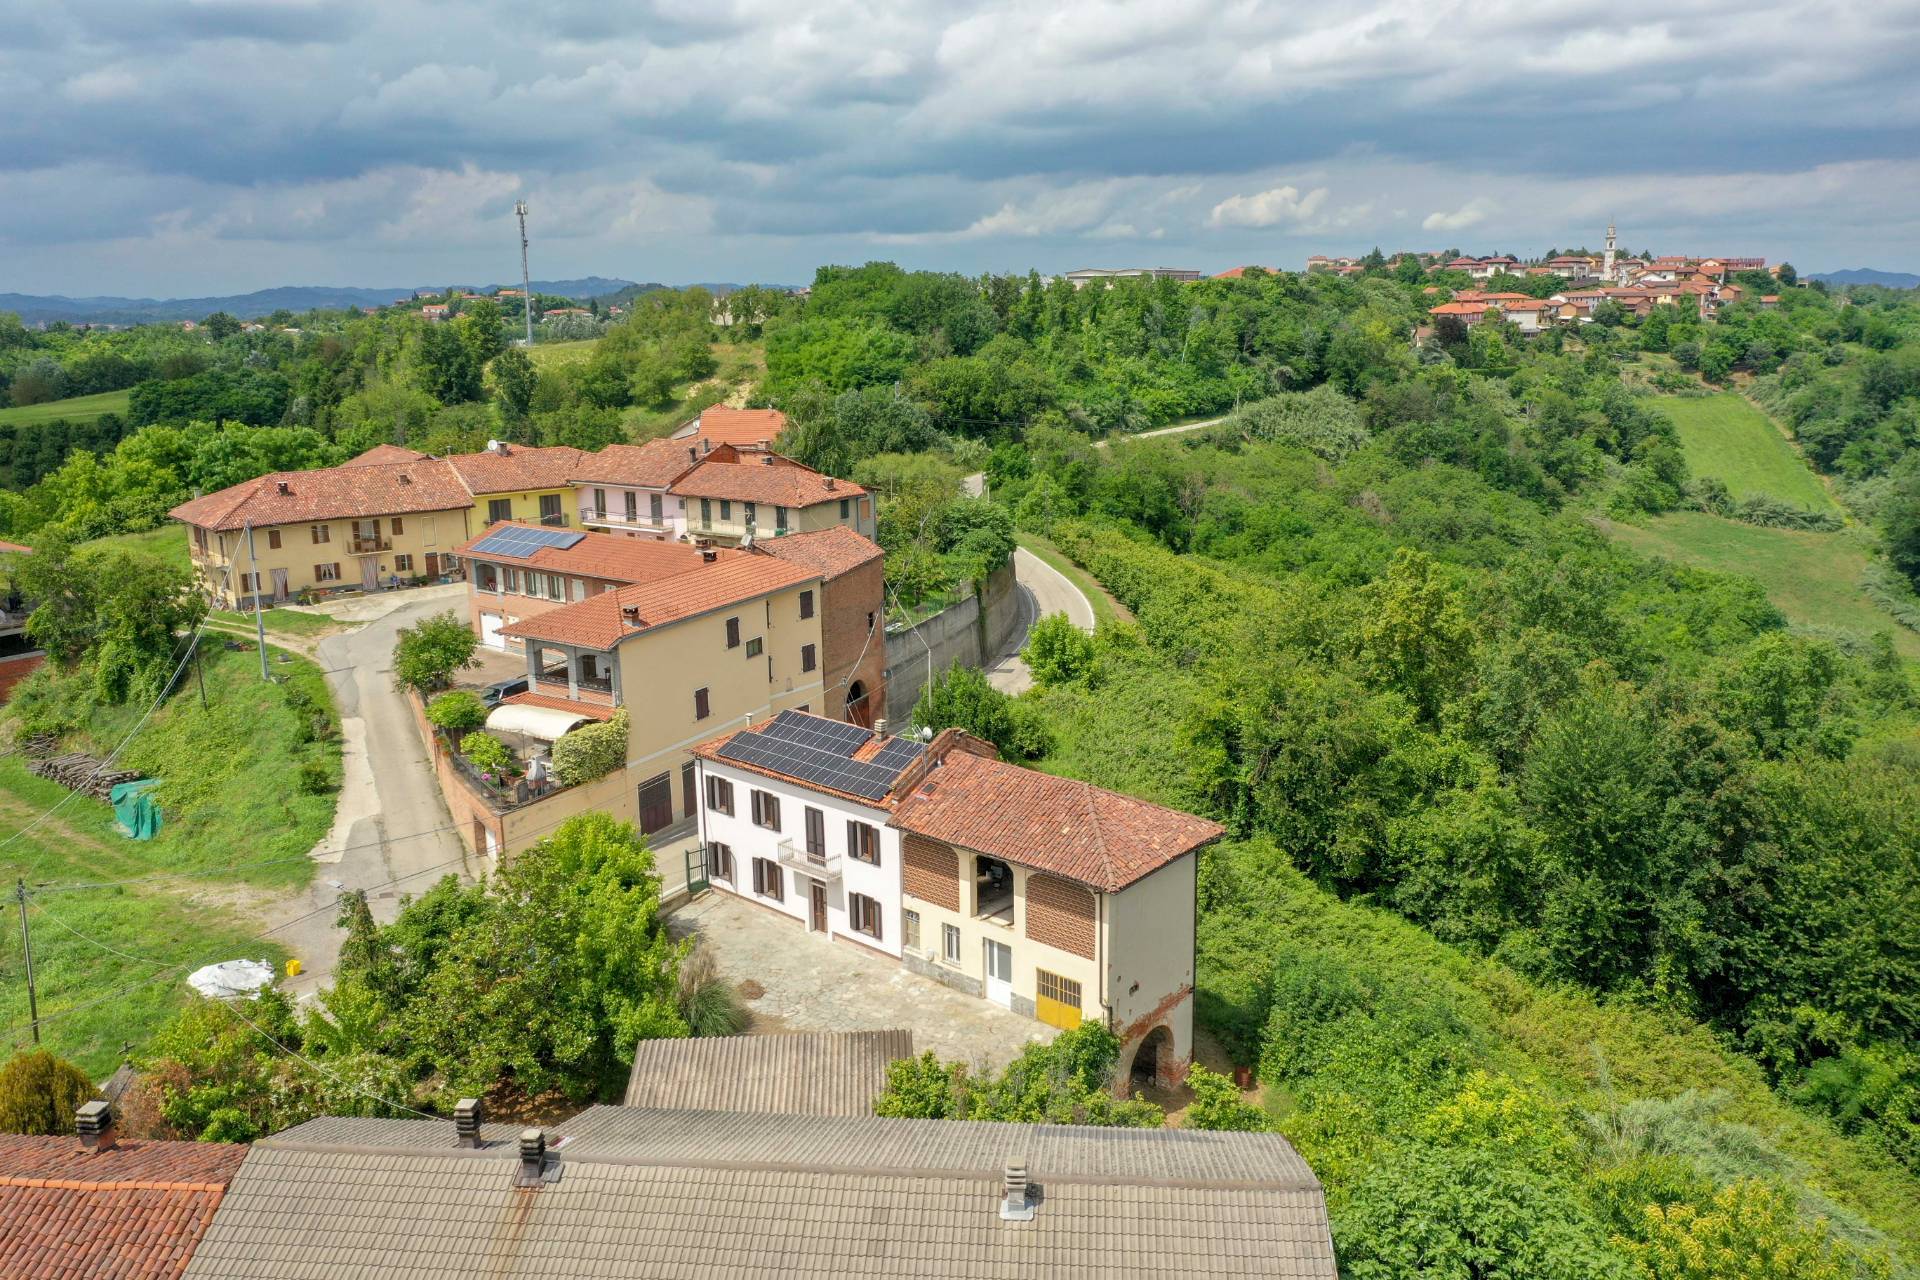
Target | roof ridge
(127,1184)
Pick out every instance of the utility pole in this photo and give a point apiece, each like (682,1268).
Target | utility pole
(259,620)
(526,282)
(26,947)
(200,671)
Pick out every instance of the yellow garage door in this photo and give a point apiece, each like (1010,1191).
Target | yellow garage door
(1057,1000)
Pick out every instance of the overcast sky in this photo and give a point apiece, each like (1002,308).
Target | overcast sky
(215,146)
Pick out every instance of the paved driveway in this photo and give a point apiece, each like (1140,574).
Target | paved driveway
(813,984)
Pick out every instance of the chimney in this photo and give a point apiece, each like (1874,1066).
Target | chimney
(497,446)
(282,486)
(467,1116)
(631,614)
(693,454)
(1017,1204)
(880,727)
(706,446)
(767,461)
(533,1158)
(708,555)
(94,1123)
(829,480)
(405,478)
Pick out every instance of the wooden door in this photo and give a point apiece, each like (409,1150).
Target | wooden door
(819,906)
(689,800)
(433,564)
(1056,1000)
(656,803)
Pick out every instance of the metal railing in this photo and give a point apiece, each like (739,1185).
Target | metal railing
(826,866)
(367,546)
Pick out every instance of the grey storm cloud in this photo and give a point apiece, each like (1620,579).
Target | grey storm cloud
(727,138)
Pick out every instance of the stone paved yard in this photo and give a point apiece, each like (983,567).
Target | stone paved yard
(816,985)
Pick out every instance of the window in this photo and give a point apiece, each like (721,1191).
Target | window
(600,502)
(806,657)
(249,582)
(320,533)
(733,633)
(910,929)
(701,707)
(706,513)
(863,842)
(326,573)
(654,505)
(950,942)
(556,587)
(486,577)
(720,796)
(766,879)
(752,512)
(864,914)
(509,578)
(633,504)
(999,962)
(766,810)
(399,526)
(806,604)
(403,564)
(726,508)
(273,538)
(720,862)
(754,647)
(780,518)
(499,509)
(550,512)
(816,833)
(1064,992)
(846,508)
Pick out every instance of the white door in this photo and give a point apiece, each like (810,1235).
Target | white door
(1000,973)
(490,636)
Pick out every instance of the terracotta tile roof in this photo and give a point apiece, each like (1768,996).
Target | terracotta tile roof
(1072,829)
(1529,304)
(386,453)
(330,493)
(599,622)
(134,1212)
(519,469)
(744,428)
(652,465)
(531,699)
(829,552)
(596,555)
(764,478)
(22,547)
(1459,309)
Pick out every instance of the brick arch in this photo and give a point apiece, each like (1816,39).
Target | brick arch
(1060,913)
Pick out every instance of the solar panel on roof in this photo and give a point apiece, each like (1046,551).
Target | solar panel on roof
(811,731)
(522,541)
(899,753)
(810,764)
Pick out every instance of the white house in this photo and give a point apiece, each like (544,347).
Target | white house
(1056,899)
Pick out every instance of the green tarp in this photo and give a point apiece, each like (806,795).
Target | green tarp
(133,805)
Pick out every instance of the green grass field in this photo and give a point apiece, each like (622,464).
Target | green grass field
(77,409)
(291,622)
(545,354)
(228,797)
(168,542)
(1729,439)
(1813,578)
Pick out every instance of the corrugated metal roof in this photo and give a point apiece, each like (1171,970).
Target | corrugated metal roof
(710,1194)
(825,1073)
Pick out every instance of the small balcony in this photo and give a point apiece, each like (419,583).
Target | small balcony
(554,519)
(625,520)
(823,867)
(369,546)
(594,690)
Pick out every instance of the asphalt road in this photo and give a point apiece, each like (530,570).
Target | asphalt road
(392,833)
(1043,590)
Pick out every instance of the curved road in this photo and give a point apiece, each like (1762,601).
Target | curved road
(391,830)
(1043,589)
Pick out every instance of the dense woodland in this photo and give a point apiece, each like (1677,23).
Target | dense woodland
(1568,907)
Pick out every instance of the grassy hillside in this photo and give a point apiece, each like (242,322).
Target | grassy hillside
(1730,440)
(78,409)
(230,795)
(168,542)
(548,354)
(1813,578)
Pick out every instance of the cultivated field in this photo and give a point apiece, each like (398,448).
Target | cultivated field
(77,409)
(1727,438)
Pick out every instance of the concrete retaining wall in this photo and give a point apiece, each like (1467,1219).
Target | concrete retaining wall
(962,633)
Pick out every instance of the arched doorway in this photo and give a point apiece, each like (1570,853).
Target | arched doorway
(858,712)
(1150,1060)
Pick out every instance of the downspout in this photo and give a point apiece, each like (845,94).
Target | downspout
(1100,959)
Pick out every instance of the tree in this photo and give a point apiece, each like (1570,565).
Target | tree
(1065,1082)
(457,711)
(428,653)
(1057,651)
(117,610)
(514,379)
(445,365)
(1900,521)
(1217,1104)
(1415,634)
(1751,1231)
(961,698)
(220,326)
(39,1093)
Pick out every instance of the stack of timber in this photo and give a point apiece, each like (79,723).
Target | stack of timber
(78,772)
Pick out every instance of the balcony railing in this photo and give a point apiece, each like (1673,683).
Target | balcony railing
(554,519)
(367,546)
(824,867)
(593,515)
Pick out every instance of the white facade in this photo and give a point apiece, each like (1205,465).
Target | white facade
(630,510)
(838,877)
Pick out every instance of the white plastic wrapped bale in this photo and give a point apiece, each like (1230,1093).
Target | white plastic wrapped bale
(232,978)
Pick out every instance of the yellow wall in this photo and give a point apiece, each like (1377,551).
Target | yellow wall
(526,506)
(226,555)
(732,527)
(1029,954)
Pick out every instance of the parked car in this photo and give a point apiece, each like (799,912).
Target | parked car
(500,690)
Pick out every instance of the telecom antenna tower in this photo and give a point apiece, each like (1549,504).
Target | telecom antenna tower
(526,283)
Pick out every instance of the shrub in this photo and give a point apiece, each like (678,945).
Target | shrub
(961,698)
(1772,513)
(1057,651)
(487,752)
(39,1093)
(708,1003)
(1060,1083)
(429,652)
(315,778)
(1217,1104)
(457,711)
(591,751)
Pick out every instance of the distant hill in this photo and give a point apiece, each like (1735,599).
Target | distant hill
(34,309)
(1870,275)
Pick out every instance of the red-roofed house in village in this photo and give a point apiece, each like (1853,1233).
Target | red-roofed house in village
(1045,895)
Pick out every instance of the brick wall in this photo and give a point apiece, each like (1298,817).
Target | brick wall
(1060,914)
(930,871)
(847,655)
(17,668)
(472,816)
